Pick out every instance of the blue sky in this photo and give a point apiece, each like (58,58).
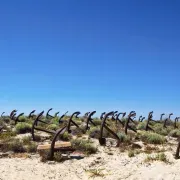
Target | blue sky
(90,55)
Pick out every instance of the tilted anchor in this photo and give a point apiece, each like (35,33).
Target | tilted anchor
(48,115)
(2,115)
(61,118)
(140,117)
(175,122)
(72,122)
(31,114)
(17,118)
(102,115)
(129,119)
(119,120)
(114,115)
(89,119)
(86,114)
(165,121)
(102,140)
(12,114)
(147,127)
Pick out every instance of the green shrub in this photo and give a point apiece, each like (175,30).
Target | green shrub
(16,146)
(55,121)
(22,128)
(2,123)
(78,122)
(158,157)
(6,120)
(152,138)
(53,127)
(7,135)
(26,140)
(124,138)
(58,157)
(23,118)
(175,133)
(158,128)
(84,145)
(97,122)
(141,126)
(32,147)
(131,153)
(94,132)
(161,157)
(66,136)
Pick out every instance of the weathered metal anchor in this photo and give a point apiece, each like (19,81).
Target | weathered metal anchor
(2,115)
(89,119)
(17,118)
(102,140)
(129,119)
(61,118)
(119,120)
(165,121)
(147,127)
(175,122)
(178,148)
(12,114)
(35,123)
(31,114)
(48,115)
(114,115)
(72,122)
(102,115)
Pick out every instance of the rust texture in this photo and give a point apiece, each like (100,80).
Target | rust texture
(167,119)
(70,121)
(128,120)
(102,140)
(48,116)
(17,118)
(150,116)
(61,118)
(31,114)
(90,120)
(120,120)
(102,115)
(12,113)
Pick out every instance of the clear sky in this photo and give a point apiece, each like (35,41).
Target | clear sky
(90,55)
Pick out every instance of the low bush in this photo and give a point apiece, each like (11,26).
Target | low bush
(22,128)
(141,126)
(159,157)
(26,140)
(53,127)
(23,119)
(7,135)
(124,138)
(6,120)
(174,133)
(97,122)
(152,138)
(58,156)
(158,128)
(66,136)
(16,146)
(131,153)
(84,145)
(94,132)
(32,147)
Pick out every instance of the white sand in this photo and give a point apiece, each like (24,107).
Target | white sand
(115,167)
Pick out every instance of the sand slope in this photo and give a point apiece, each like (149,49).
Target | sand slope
(114,165)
